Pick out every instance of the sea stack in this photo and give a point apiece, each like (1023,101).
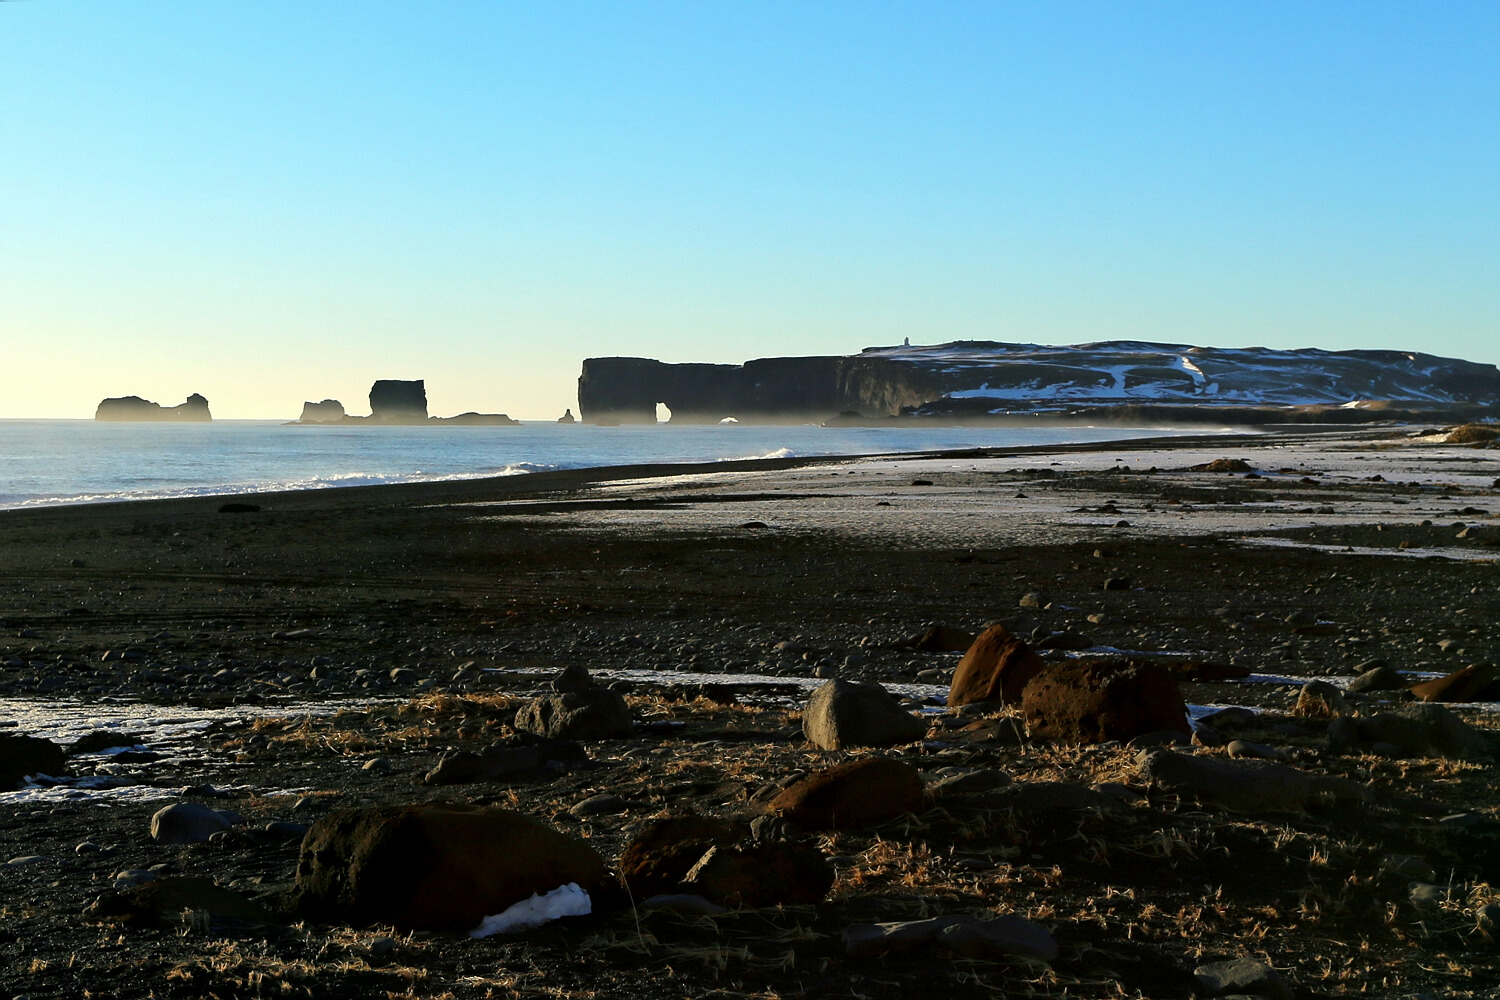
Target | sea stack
(567,417)
(118,408)
(394,401)
(330,411)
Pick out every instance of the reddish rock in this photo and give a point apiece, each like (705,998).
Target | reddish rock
(1461,685)
(662,854)
(996,668)
(1092,701)
(859,793)
(761,874)
(944,639)
(433,867)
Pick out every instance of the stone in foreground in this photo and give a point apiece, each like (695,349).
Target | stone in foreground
(1096,701)
(843,714)
(859,793)
(433,867)
(1242,976)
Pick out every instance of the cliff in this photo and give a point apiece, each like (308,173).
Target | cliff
(982,379)
(195,409)
(394,401)
(330,411)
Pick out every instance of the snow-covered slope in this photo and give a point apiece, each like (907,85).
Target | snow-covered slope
(1115,372)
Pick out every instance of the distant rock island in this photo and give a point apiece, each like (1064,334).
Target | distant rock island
(984,380)
(398,402)
(195,409)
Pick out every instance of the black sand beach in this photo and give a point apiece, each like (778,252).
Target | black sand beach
(326,630)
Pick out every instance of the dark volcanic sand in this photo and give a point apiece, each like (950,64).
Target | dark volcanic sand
(321,596)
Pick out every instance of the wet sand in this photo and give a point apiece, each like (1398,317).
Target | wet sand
(429,608)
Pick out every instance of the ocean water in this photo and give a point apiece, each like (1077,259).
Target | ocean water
(83,461)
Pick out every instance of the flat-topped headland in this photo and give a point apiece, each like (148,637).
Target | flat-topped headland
(984,381)
(127,408)
(1176,718)
(396,402)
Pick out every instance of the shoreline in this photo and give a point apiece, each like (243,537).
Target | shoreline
(588,475)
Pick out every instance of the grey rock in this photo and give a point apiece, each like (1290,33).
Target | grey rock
(600,805)
(965,781)
(1378,678)
(1425,729)
(843,714)
(1487,918)
(870,940)
(591,714)
(1245,748)
(1002,937)
(187,823)
(1242,975)
(1426,896)
(1242,785)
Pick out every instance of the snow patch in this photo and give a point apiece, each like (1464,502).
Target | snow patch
(565,901)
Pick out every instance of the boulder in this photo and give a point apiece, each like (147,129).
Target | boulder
(1242,976)
(859,793)
(1321,700)
(188,823)
(1425,730)
(842,714)
(996,667)
(22,757)
(1461,685)
(944,639)
(1250,786)
(1050,798)
(761,873)
(1095,701)
(1382,677)
(950,781)
(593,713)
(1003,937)
(665,850)
(171,899)
(433,867)
(519,760)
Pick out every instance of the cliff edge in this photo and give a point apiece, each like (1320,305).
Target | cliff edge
(980,379)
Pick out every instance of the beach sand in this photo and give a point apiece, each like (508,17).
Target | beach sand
(270,654)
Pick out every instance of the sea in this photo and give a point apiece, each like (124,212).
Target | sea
(47,462)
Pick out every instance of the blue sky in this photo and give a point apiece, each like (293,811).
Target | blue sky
(278,201)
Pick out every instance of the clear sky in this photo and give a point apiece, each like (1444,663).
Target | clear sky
(274,201)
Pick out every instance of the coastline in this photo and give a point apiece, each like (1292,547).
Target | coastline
(399,623)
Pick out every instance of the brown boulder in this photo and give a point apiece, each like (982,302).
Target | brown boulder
(944,639)
(665,850)
(859,793)
(996,668)
(433,867)
(1461,685)
(767,873)
(1093,701)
